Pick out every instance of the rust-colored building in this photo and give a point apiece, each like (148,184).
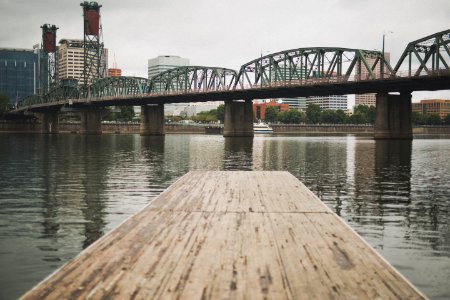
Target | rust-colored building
(114,72)
(433,106)
(259,109)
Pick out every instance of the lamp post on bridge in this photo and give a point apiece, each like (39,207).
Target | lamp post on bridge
(382,51)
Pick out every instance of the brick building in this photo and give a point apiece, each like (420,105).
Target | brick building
(259,109)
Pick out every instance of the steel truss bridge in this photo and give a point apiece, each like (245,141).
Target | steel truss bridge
(319,71)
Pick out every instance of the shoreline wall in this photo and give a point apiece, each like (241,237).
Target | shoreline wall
(33,127)
(322,128)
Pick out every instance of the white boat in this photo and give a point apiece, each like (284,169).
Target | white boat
(262,128)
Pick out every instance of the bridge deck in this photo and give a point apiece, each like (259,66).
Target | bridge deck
(237,235)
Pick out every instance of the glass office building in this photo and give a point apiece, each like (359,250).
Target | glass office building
(19,72)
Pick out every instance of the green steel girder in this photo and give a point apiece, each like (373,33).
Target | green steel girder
(426,56)
(53,95)
(118,86)
(62,93)
(30,100)
(190,79)
(298,65)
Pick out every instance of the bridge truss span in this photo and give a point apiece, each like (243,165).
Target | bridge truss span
(298,66)
(426,56)
(192,79)
(118,86)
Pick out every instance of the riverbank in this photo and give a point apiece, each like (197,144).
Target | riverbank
(133,127)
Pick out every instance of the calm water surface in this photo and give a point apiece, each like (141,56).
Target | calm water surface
(60,193)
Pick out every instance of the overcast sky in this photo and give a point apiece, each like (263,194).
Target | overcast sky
(228,33)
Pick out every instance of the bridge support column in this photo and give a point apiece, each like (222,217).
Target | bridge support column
(49,122)
(91,120)
(238,118)
(152,120)
(393,116)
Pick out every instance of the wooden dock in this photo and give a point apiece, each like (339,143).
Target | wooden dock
(229,235)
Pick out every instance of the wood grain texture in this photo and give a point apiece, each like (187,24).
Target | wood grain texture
(229,235)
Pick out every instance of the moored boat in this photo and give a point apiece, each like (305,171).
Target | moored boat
(262,128)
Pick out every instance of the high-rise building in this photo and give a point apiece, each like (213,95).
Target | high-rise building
(329,102)
(433,106)
(19,72)
(71,61)
(163,63)
(370,98)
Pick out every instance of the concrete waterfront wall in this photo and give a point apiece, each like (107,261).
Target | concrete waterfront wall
(352,129)
(322,129)
(430,129)
(34,127)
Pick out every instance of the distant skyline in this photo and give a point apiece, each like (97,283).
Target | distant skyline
(229,33)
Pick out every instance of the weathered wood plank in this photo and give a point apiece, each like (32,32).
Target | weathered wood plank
(233,235)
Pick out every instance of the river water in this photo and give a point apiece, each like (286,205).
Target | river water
(59,193)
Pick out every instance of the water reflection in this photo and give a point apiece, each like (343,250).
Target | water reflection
(50,201)
(238,153)
(393,177)
(152,150)
(61,192)
(92,186)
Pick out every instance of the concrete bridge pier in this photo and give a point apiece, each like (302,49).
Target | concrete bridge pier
(91,120)
(152,120)
(49,121)
(393,116)
(238,119)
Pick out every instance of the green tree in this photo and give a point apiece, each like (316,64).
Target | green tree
(447,119)
(220,113)
(270,115)
(365,114)
(434,119)
(313,113)
(4,104)
(292,116)
(206,116)
(212,115)
(126,113)
(329,116)
(358,118)
(418,118)
(372,114)
(341,117)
